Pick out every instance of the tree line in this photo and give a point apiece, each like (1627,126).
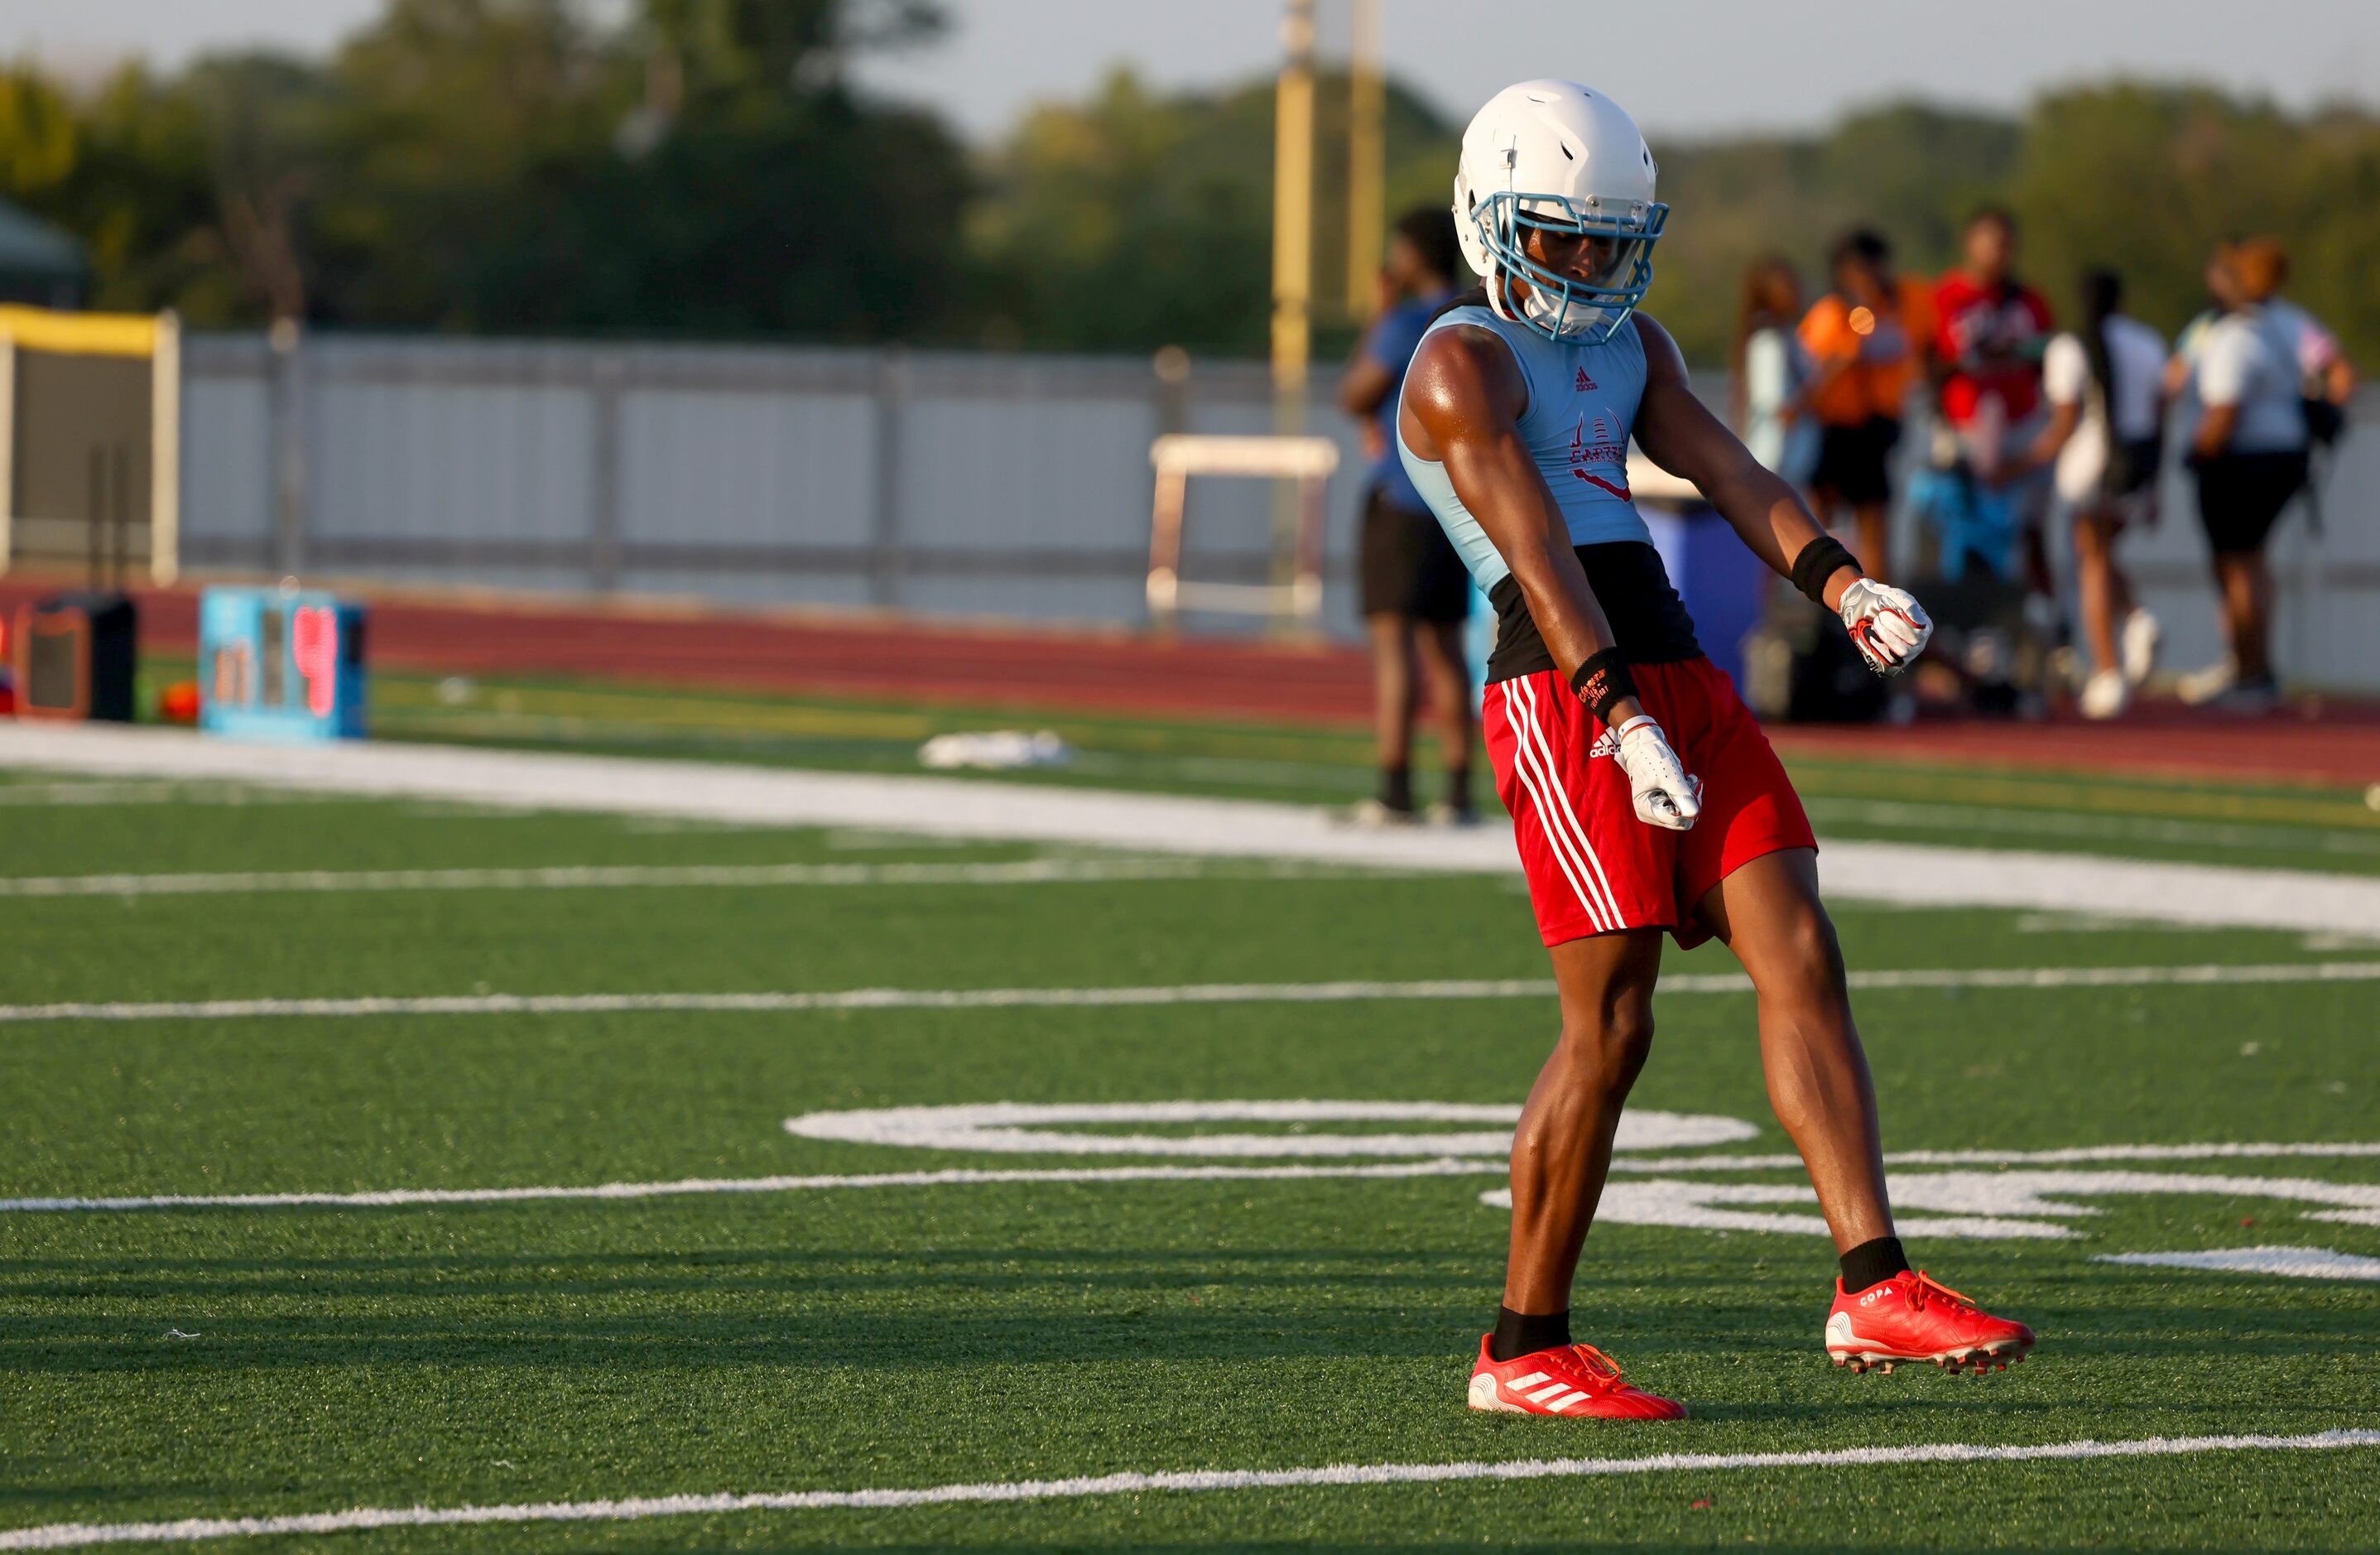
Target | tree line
(705,169)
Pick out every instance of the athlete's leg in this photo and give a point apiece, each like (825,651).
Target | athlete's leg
(1449,687)
(2247,611)
(2106,597)
(1827,506)
(1562,1148)
(1876,540)
(1393,703)
(1765,908)
(1768,911)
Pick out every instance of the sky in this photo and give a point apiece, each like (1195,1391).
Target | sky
(1682,67)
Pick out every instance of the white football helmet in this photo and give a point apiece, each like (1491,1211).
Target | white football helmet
(1554,154)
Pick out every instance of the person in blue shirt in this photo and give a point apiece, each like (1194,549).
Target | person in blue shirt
(1415,591)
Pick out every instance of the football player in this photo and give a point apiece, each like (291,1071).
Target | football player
(1645,800)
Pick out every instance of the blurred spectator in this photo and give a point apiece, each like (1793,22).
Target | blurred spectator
(1771,371)
(2223,295)
(2104,440)
(2327,379)
(1415,591)
(1866,339)
(1991,332)
(2249,368)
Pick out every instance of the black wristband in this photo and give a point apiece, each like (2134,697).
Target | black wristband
(1820,561)
(1602,680)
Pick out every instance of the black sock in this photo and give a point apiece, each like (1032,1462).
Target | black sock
(1525,1333)
(1872,1263)
(1396,787)
(1458,788)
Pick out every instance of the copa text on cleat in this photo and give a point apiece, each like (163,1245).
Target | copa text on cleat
(1911,1317)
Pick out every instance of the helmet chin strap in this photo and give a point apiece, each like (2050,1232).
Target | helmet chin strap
(1500,297)
(1499,285)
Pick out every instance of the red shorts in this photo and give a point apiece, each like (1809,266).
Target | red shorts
(1593,866)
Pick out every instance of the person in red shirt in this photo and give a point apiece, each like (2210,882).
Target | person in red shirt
(1991,332)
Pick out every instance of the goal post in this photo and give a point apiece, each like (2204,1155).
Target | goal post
(1295,600)
(91,454)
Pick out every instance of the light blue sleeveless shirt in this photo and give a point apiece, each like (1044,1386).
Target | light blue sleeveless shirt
(1582,401)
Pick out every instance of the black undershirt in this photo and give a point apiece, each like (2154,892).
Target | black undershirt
(1649,623)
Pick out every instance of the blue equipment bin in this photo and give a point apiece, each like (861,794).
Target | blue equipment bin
(281,664)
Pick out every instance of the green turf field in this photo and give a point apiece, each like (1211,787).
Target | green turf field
(221,1361)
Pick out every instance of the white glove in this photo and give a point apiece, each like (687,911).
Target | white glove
(1888,626)
(1665,796)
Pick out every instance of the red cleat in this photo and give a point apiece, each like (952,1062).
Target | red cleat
(1909,1317)
(1574,1380)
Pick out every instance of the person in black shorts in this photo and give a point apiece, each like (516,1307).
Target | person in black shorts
(2251,455)
(1415,591)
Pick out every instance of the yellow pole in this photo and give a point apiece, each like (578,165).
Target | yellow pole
(1292,261)
(1292,217)
(1367,112)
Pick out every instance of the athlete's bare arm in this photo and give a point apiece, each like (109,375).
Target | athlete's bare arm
(1462,404)
(1677,432)
(2060,431)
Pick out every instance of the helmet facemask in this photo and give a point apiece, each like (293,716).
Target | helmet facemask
(1566,305)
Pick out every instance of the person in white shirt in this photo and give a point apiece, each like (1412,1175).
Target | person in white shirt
(2104,440)
(1772,370)
(2251,455)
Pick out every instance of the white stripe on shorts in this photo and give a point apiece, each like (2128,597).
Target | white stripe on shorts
(1525,766)
(1578,827)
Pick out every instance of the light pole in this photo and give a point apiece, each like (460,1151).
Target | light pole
(1293,258)
(1367,157)
(1292,217)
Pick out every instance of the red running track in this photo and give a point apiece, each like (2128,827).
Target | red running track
(880,658)
(856,656)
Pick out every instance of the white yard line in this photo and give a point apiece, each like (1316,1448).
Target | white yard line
(685,1186)
(1444,1166)
(1336,1476)
(2301,1263)
(2044,978)
(1916,875)
(599,877)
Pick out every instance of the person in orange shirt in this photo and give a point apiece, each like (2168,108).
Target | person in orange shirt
(1865,340)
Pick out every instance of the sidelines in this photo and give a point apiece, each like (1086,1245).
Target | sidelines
(1025,871)
(1444,1166)
(2201,974)
(74,1535)
(1920,876)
